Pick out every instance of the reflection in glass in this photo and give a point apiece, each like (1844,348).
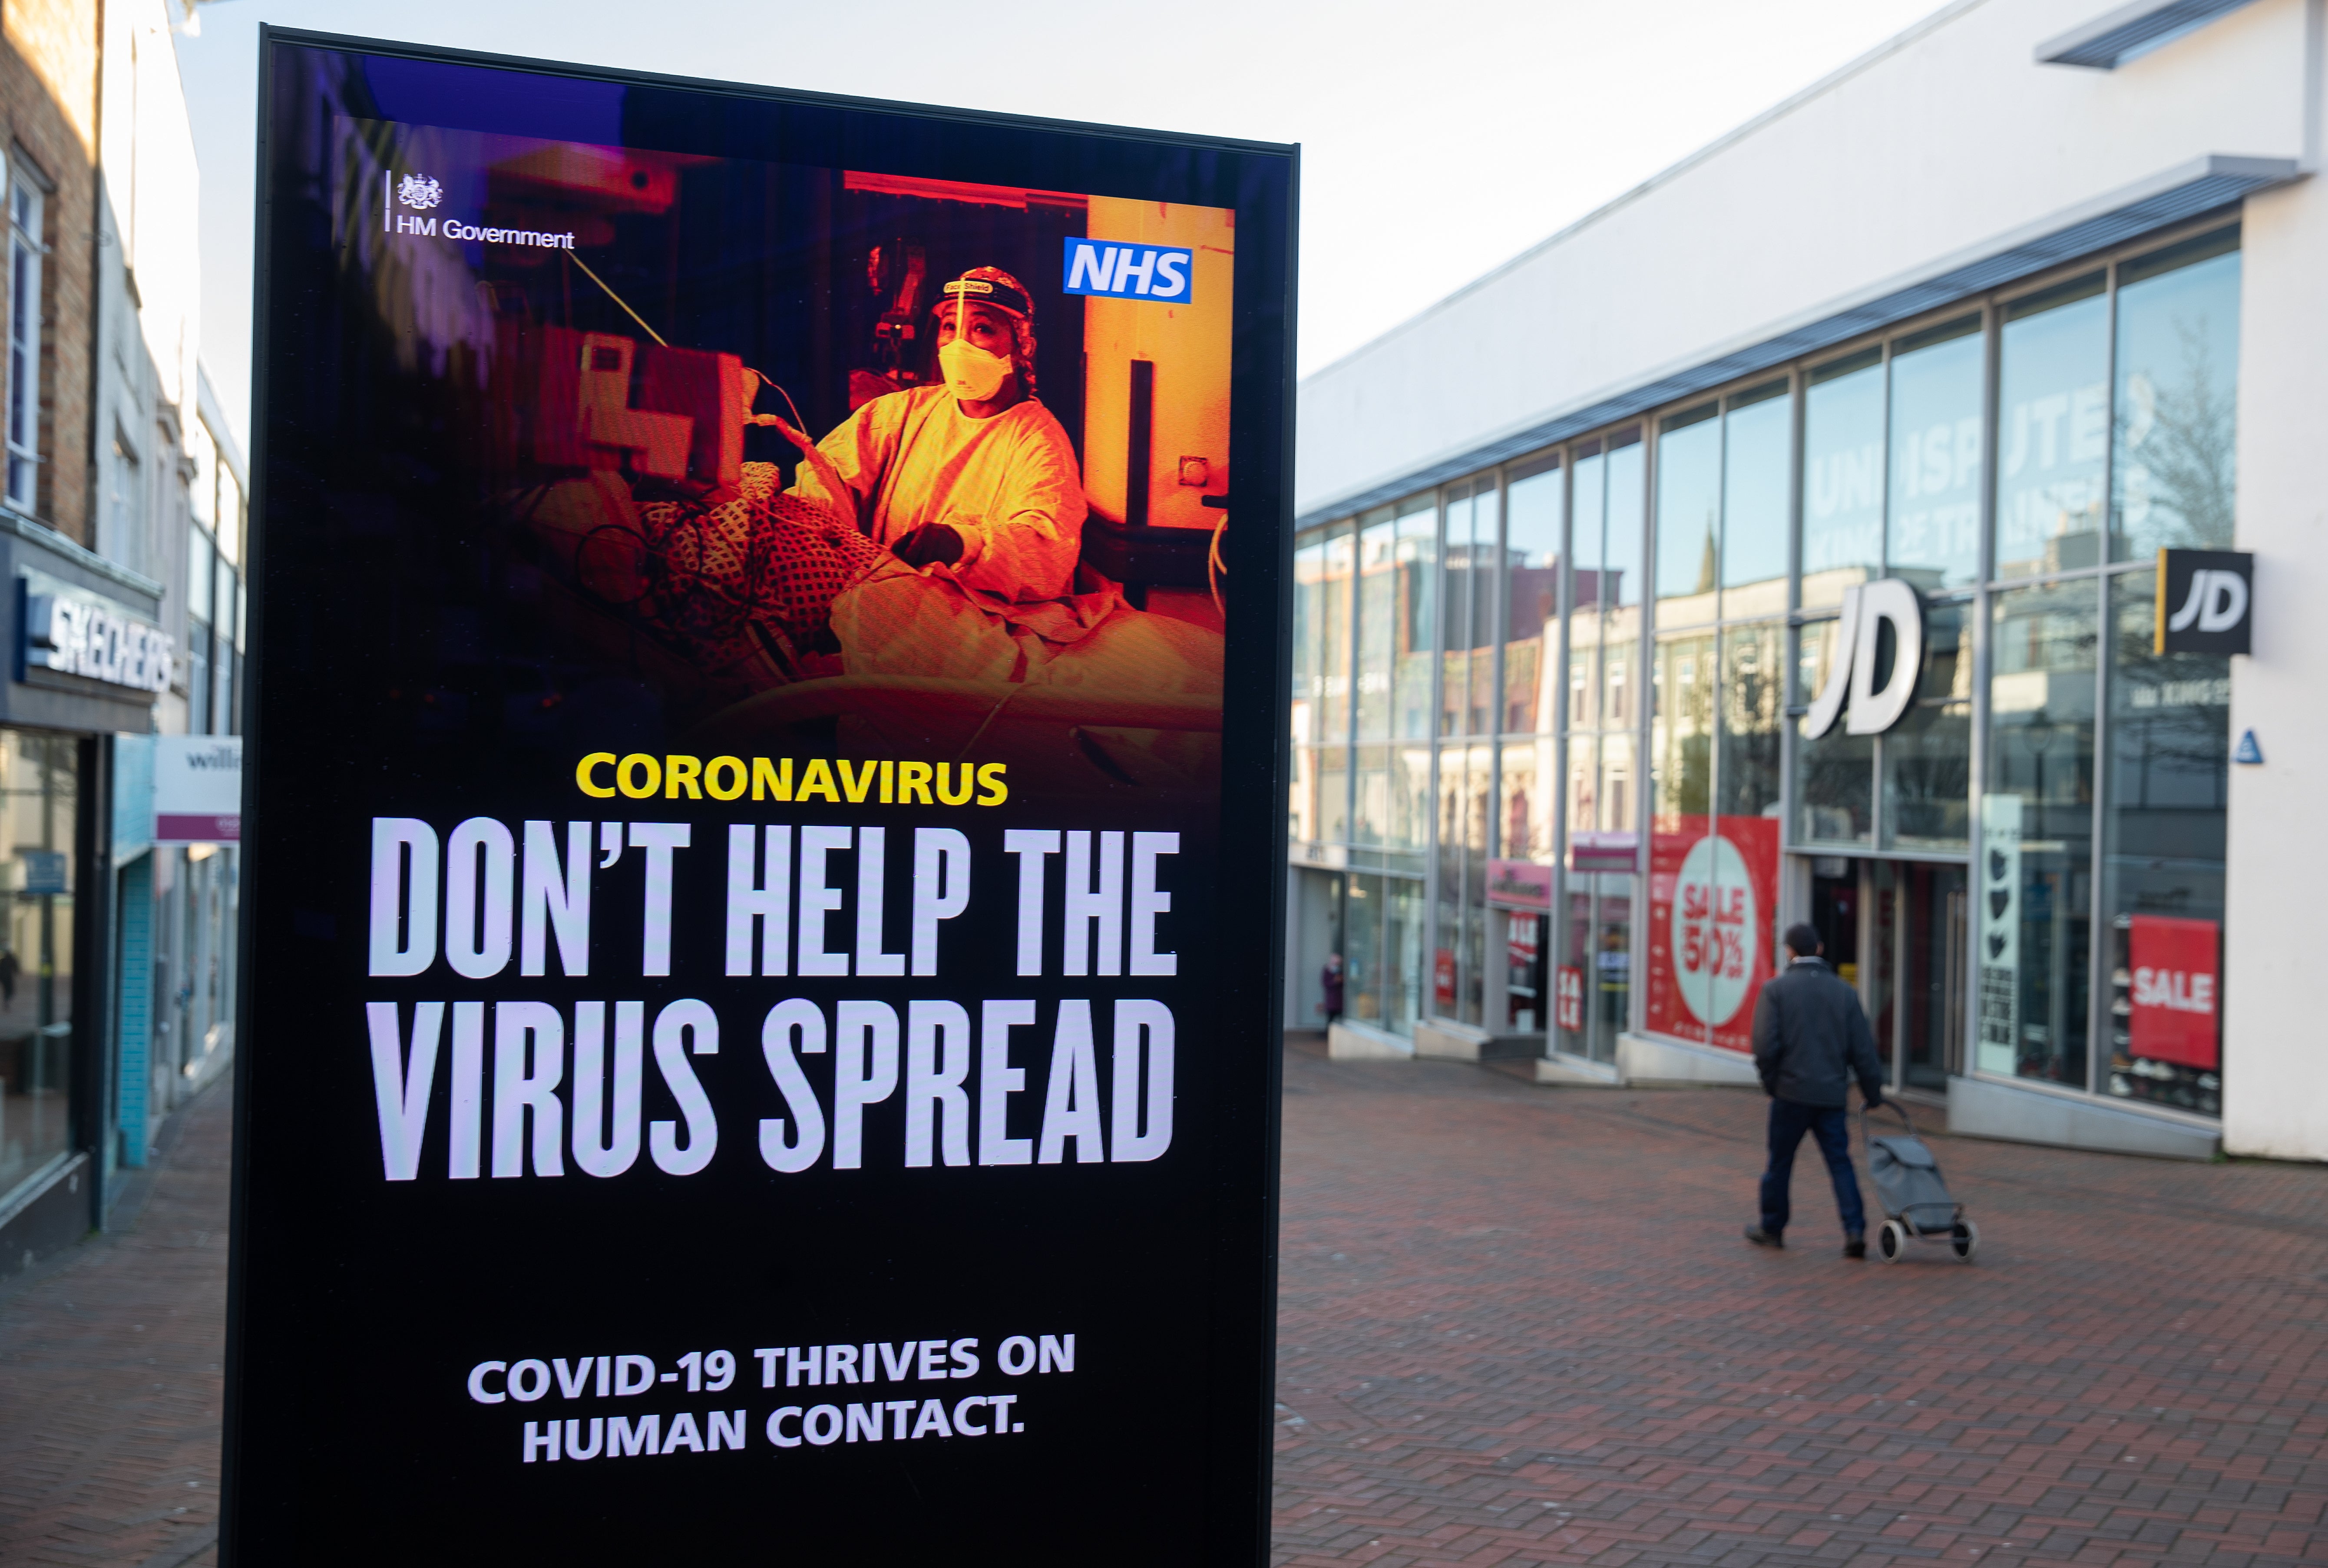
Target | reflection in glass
(39,780)
(2054,414)
(1456,577)
(1933,537)
(1334,795)
(1629,517)
(1478,843)
(1334,635)
(2163,825)
(1681,730)
(2041,755)
(1525,807)
(1301,797)
(1753,706)
(1480,710)
(1415,550)
(1363,971)
(1927,755)
(1447,914)
(1689,516)
(1587,594)
(1834,783)
(1533,523)
(1371,810)
(1410,786)
(1402,953)
(1309,632)
(1758,456)
(1378,621)
(2178,365)
(1843,476)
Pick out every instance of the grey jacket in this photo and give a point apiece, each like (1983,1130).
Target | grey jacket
(1811,1038)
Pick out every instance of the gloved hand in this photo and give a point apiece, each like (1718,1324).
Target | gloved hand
(1868,1101)
(931,542)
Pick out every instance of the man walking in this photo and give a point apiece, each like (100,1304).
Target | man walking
(1810,1040)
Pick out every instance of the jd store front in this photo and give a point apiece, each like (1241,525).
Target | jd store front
(1866,640)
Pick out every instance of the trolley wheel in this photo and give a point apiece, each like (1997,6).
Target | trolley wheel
(1891,1240)
(1965,1239)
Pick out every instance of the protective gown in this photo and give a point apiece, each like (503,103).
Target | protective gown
(1008,485)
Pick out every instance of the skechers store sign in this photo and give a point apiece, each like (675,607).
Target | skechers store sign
(78,633)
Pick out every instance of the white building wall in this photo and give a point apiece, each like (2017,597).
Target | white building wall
(2275,1030)
(1947,144)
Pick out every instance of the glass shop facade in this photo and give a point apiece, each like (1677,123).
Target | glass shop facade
(1550,783)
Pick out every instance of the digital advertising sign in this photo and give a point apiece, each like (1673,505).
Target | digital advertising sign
(763,801)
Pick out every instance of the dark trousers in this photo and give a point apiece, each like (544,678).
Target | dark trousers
(1831,1125)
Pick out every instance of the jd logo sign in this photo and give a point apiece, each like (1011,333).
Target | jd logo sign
(2203,601)
(1869,611)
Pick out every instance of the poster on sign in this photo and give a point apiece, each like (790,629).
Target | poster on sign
(1714,893)
(2175,991)
(755,1040)
(1568,1000)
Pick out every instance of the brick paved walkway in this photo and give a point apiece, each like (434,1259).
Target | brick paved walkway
(111,1380)
(1518,1326)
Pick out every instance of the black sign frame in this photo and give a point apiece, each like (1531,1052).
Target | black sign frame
(2185,598)
(354,1330)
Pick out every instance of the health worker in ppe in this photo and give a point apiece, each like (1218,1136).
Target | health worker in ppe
(973,478)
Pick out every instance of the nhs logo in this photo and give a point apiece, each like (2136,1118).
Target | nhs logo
(1120,271)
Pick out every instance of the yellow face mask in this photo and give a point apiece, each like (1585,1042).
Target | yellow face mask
(972,374)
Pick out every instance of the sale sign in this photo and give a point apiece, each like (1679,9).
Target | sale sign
(1569,1000)
(1712,897)
(2176,989)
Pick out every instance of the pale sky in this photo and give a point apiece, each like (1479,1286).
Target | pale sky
(1438,140)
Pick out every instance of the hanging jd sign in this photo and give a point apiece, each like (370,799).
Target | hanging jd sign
(750,1046)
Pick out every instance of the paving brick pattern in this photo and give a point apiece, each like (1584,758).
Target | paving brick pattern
(1518,1326)
(110,1377)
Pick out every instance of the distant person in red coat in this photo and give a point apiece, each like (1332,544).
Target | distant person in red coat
(1329,980)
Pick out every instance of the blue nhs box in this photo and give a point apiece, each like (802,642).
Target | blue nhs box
(1116,269)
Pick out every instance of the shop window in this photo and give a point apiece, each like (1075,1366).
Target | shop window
(1689,517)
(1403,923)
(40,784)
(1334,795)
(1414,601)
(25,250)
(1927,758)
(2053,432)
(1932,528)
(1301,797)
(1620,576)
(2036,879)
(1308,635)
(1468,609)
(1589,588)
(2178,362)
(1843,476)
(1525,804)
(1334,638)
(1757,473)
(1534,519)
(1362,967)
(1410,786)
(1834,775)
(2164,821)
(1753,704)
(1371,810)
(1378,621)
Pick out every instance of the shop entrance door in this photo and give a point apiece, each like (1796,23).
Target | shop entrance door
(1898,931)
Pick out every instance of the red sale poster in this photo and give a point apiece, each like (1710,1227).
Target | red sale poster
(2175,988)
(1712,896)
